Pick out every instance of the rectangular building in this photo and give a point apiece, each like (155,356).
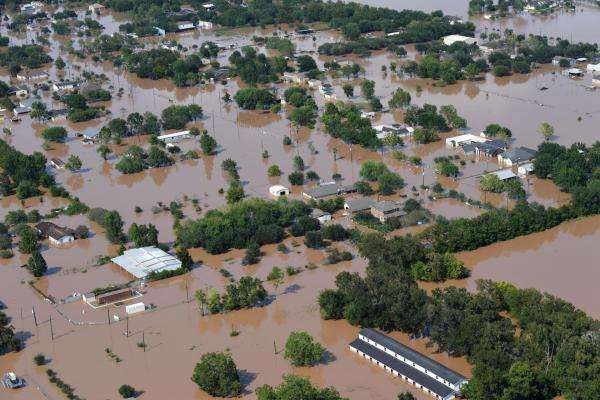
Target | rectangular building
(402,361)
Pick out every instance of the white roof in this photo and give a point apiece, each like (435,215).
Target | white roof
(141,261)
(173,135)
(466,138)
(276,189)
(450,39)
(504,174)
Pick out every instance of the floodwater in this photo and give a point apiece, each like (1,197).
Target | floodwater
(176,333)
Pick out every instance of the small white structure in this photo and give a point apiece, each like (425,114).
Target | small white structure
(574,72)
(451,39)
(32,75)
(160,31)
(143,260)
(593,67)
(525,169)
(279,191)
(96,8)
(320,215)
(32,8)
(169,46)
(208,6)
(175,137)
(185,25)
(205,25)
(64,86)
(135,308)
(400,130)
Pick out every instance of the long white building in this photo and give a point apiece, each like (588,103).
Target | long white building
(428,375)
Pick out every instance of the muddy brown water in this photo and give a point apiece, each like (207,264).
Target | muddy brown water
(176,333)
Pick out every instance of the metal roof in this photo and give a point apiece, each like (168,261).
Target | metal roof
(504,174)
(141,261)
(408,371)
(418,358)
(328,189)
(359,204)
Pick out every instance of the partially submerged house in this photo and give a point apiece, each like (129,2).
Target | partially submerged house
(320,215)
(57,235)
(451,39)
(358,205)
(517,156)
(110,296)
(504,174)
(326,190)
(403,362)
(279,191)
(57,163)
(96,8)
(384,210)
(400,130)
(65,86)
(185,26)
(32,75)
(175,137)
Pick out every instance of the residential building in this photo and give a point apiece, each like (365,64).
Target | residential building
(401,130)
(293,77)
(320,215)
(57,163)
(456,141)
(573,73)
(21,110)
(64,86)
(401,361)
(328,190)
(517,156)
(19,91)
(59,113)
(525,169)
(31,8)
(490,148)
(57,235)
(175,137)
(358,205)
(32,75)
(208,6)
(593,68)
(141,261)
(326,89)
(384,210)
(279,191)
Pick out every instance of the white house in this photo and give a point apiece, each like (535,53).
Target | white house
(456,141)
(208,6)
(401,130)
(57,235)
(64,86)
(96,8)
(593,67)
(279,191)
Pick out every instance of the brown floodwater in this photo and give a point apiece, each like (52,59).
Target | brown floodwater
(176,333)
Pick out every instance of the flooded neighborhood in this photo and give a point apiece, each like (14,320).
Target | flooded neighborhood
(285,199)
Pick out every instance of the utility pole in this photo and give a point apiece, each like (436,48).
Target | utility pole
(51,330)
(143,341)
(127,328)
(34,316)
(187,292)
(108,315)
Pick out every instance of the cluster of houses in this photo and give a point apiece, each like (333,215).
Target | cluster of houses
(381,210)
(482,146)
(326,89)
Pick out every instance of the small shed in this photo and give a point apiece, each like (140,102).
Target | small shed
(279,191)
(320,215)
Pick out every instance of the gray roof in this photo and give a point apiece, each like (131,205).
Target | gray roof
(408,371)
(329,189)
(316,213)
(520,154)
(418,358)
(141,261)
(386,206)
(359,204)
(504,174)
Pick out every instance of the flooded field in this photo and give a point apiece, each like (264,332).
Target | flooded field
(561,261)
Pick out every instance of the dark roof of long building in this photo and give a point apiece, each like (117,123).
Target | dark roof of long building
(418,358)
(408,371)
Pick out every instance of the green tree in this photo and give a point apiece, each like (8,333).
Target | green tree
(217,375)
(491,183)
(113,224)
(208,144)
(406,396)
(274,170)
(183,255)
(296,388)
(143,235)
(73,163)
(368,88)
(28,242)
(59,63)
(252,255)
(36,264)
(546,130)
(126,391)
(371,170)
(401,98)
(8,340)
(235,193)
(348,90)
(104,151)
(39,112)
(54,134)
(302,350)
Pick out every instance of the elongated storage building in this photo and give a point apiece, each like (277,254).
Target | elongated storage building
(402,361)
